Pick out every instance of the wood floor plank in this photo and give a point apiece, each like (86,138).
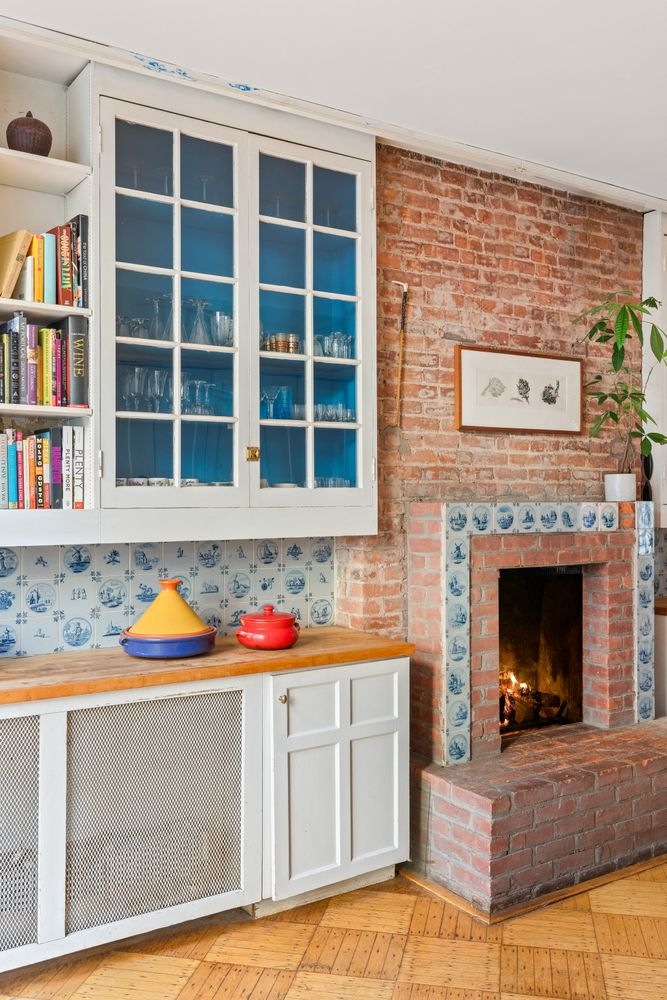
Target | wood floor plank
(345,953)
(565,930)
(594,977)
(542,970)
(509,969)
(525,969)
(376,911)
(446,962)
(654,933)
(362,953)
(559,975)
(282,985)
(312,986)
(419,916)
(275,946)
(202,983)
(629,978)
(631,897)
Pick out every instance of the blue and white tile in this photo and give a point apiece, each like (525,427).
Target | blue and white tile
(505,518)
(458,518)
(321,611)
(77,560)
(295,552)
(645,708)
(43,598)
(321,551)
(645,681)
(232,615)
(146,559)
(645,569)
(458,714)
(528,518)
(267,553)
(458,650)
(608,516)
(589,517)
(481,518)
(209,587)
(178,559)
(645,654)
(645,515)
(458,747)
(239,584)
(213,614)
(144,588)
(41,561)
(39,635)
(10,600)
(10,640)
(108,627)
(457,551)
(548,514)
(76,632)
(570,516)
(299,608)
(458,615)
(458,679)
(267,584)
(645,596)
(457,584)
(113,594)
(112,560)
(320,581)
(645,624)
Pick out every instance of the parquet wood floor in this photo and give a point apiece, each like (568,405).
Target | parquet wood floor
(395,941)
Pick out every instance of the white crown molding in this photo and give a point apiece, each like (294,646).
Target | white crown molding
(399,137)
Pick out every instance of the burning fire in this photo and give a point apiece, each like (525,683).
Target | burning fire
(522,705)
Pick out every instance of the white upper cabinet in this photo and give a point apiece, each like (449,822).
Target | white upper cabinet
(232,310)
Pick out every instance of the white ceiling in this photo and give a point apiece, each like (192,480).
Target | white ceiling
(579,85)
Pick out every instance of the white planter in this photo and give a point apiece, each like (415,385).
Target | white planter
(620,486)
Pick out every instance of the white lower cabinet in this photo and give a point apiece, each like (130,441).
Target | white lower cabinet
(132,810)
(338,773)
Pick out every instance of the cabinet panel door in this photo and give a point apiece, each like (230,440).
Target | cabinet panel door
(338,789)
(313,326)
(175,351)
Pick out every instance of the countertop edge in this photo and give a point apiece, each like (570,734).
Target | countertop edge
(368,647)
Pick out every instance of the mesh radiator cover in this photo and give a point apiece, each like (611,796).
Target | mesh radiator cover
(155,805)
(19,821)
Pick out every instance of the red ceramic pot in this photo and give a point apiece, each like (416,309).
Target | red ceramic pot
(268,629)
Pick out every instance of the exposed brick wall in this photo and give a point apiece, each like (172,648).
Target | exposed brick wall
(489,260)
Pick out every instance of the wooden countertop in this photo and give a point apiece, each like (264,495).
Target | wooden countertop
(61,675)
(661,605)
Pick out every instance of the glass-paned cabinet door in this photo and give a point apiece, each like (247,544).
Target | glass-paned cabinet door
(175,350)
(312,318)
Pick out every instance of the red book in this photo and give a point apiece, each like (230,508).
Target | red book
(64,290)
(19,468)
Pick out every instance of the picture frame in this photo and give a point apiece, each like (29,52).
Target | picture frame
(503,390)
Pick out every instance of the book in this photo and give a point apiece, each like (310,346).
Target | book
(5,365)
(25,286)
(12,478)
(79,226)
(26,474)
(4,484)
(63,235)
(46,465)
(19,469)
(56,468)
(75,330)
(58,382)
(13,249)
(36,252)
(32,364)
(44,340)
(49,268)
(14,330)
(78,465)
(32,477)
(23,360)
(67,467)
(39,471)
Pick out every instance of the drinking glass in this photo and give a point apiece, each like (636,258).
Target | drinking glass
(269,395)
(154,388)
(138,327)
(221,329)
(200,332)
(132,381)
(155,327)
(284,403)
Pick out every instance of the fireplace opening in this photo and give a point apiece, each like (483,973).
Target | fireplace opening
(541,647)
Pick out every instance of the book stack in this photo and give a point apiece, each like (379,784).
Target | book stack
(44,366)
(49,267)
(44,470)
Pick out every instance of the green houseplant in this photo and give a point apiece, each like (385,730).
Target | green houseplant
(619,391)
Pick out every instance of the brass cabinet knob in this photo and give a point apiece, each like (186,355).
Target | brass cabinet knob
(282,698)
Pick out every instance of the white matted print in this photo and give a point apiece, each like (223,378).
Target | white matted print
(510,390)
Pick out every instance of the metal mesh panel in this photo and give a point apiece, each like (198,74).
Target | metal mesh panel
(19,819)
(155,803)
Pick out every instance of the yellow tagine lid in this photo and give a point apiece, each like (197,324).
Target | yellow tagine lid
(169,615)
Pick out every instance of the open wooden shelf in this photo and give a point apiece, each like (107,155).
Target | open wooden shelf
(64,412)
(40,173)
(38,311)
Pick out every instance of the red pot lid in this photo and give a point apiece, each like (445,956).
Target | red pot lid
(267,618)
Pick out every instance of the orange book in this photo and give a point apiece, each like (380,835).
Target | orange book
(31,472)
(37,253)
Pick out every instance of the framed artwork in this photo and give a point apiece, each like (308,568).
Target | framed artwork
(517,391)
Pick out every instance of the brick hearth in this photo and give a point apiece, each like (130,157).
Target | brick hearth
(557,807)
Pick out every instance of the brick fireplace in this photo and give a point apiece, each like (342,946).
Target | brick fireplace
(501,820)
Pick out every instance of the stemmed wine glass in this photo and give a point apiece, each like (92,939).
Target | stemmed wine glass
(155,328)
(269,396)
(155,386)
(200,332)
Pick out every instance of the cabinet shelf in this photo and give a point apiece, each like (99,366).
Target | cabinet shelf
(39,311)
(49,527)
(39,173)
(63,412)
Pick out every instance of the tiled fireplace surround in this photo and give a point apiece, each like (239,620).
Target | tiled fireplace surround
(563,804)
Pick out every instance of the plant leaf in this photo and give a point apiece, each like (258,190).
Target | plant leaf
(657,342)
(617,356)
(621,325)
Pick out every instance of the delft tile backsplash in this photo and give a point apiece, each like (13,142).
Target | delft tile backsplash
(82,596)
